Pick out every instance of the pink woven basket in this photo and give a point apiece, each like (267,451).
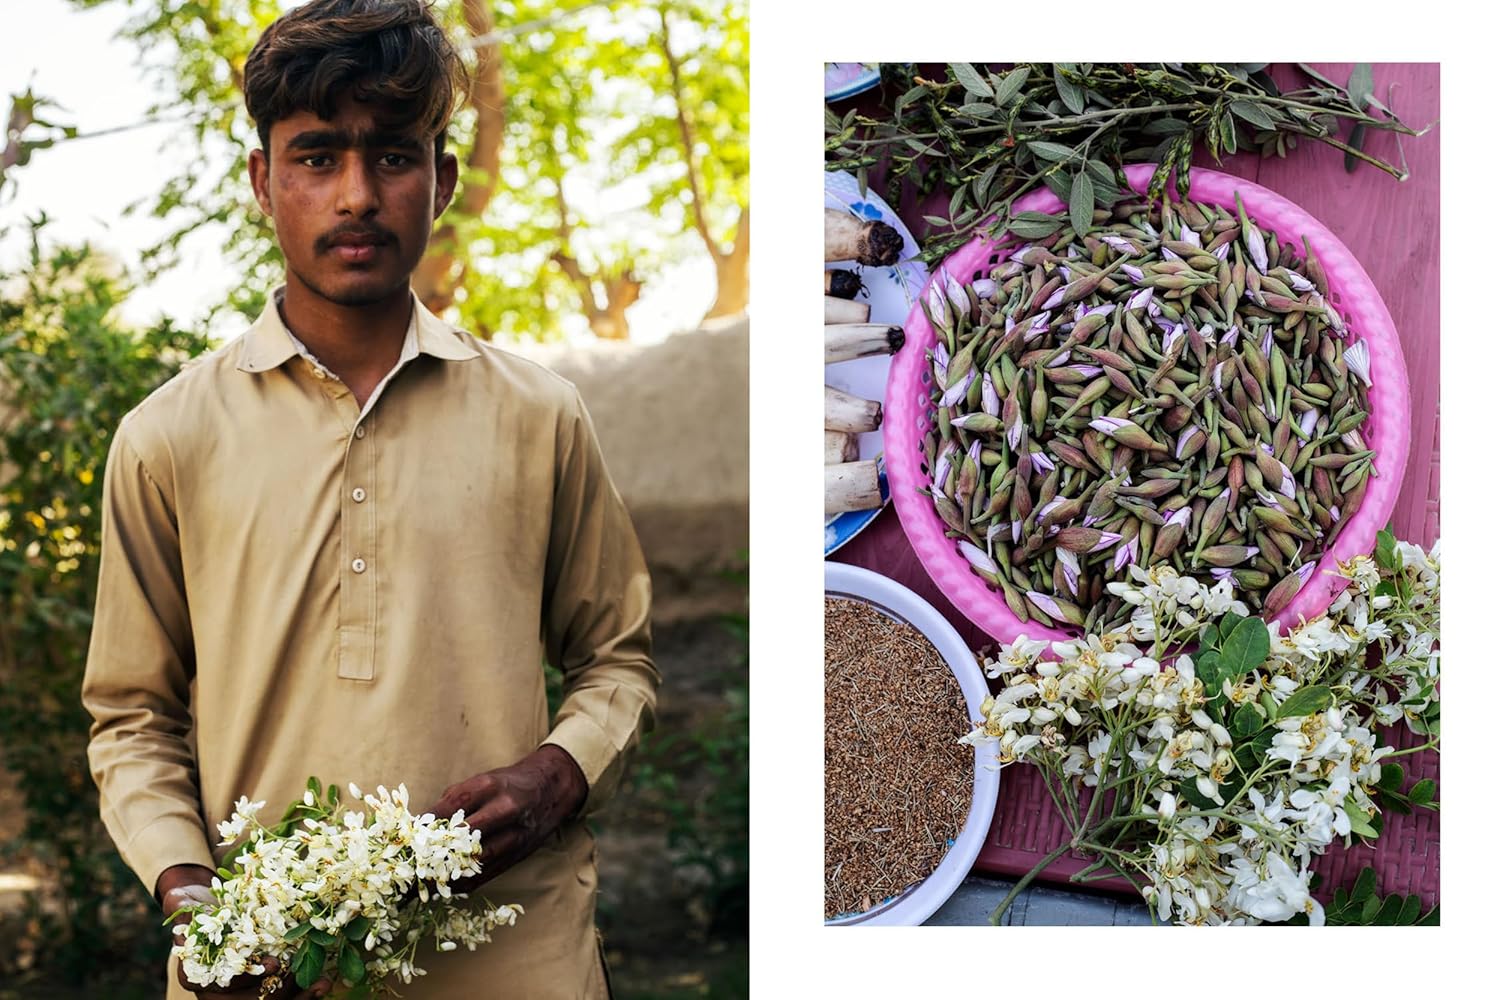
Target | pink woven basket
(909,412)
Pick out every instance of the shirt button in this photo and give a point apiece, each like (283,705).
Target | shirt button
(358,565)
(358,494)
(359,431)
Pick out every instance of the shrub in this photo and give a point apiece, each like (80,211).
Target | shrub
(68,373)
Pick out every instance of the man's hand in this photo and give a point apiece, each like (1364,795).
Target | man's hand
(187,885)
(516,808)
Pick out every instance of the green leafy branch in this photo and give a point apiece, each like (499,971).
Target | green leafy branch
(990,136)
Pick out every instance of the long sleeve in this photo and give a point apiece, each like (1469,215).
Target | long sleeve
(137,681)
(596,614)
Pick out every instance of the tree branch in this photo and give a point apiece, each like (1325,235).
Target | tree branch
(675,70)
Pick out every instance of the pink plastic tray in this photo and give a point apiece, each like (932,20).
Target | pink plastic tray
(909,411)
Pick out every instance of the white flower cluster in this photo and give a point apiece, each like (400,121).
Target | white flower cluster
(374,883)
(1235,804)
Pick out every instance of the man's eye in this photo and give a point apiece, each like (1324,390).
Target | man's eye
(395,159)
(316,160)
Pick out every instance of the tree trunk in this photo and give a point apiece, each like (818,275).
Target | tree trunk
(731,269)
(733,273)
(441,271)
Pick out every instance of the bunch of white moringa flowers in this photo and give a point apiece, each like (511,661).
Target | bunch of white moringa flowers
(348,896)
(1217,776)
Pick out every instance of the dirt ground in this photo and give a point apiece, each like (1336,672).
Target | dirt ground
(663,948)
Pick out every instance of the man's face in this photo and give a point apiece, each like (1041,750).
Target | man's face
(353,200)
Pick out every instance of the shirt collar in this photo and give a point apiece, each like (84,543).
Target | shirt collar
(269,344)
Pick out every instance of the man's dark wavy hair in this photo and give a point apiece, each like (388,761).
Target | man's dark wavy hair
(392,52)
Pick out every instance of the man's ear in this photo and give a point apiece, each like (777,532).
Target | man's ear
(447,182)
(260,178)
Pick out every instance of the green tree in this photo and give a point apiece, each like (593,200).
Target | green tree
(553,85)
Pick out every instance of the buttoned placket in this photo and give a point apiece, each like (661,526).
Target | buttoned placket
(359,555)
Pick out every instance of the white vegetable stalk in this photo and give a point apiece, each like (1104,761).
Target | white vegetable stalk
(839,447)
(847,341)
(851,486)
(837,310)
(845,412)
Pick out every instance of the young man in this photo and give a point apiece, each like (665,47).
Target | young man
(343,544)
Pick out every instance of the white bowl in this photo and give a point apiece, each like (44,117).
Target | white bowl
(922,900)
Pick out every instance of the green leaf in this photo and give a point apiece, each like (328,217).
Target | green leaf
(1165,126)
(1385,550)
(316,787)
(1227,134)
(979,109)
(1246,648)
(1361,85)
(956,202)
(1033,225)
(1431,920)
(1364,885)
(1391,777)
(1385,589)
(1081,203)
(1247,757)
(973,82)
(1206,667)
(1305,701)
(1390,910)
(298,931)
(903,101)
(982,186)
(357,929)
(1011,85)
(1228,622)
(322,937)
(1368,911)
(1051,151)
(1209,637)
(351,966)
(1248,720)
(1411,909)
(1252,113)
(307,966)
(1359,821)
(1422,792)
(1071,94)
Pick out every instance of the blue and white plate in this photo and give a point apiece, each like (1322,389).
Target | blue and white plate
(841,80)
(891,292)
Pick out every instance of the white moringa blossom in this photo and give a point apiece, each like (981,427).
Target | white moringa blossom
(1232,781)
(376,883)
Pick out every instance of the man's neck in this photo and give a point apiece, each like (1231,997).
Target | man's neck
(359,344)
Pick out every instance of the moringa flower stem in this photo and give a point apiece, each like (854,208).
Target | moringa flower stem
(1027,879)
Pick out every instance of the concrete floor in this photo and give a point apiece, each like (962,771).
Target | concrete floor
(974,901)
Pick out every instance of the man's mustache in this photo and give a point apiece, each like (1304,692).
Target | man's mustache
(365,233)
